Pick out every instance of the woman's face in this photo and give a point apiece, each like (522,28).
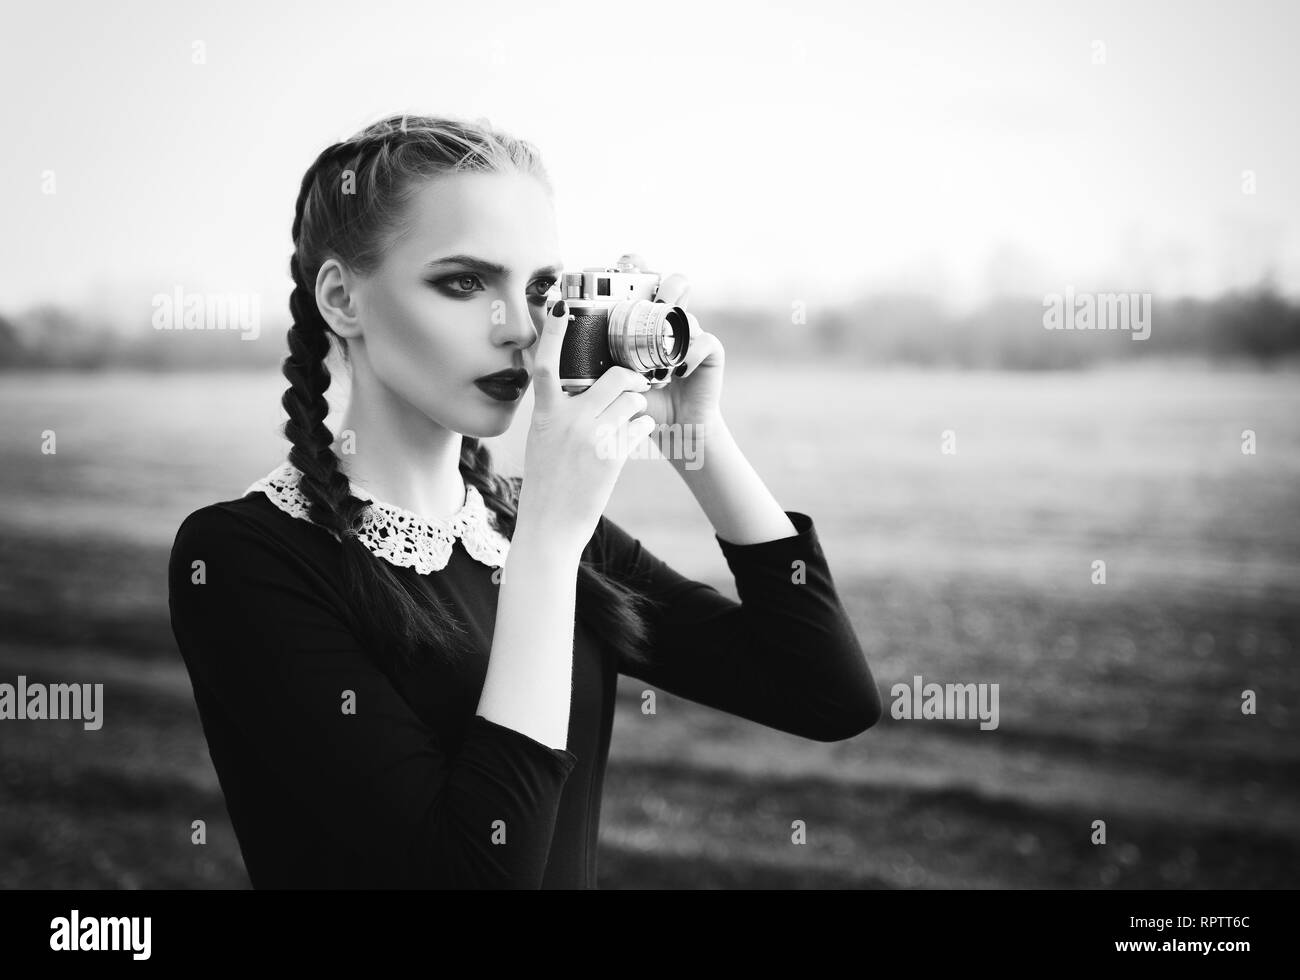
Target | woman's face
(460,295)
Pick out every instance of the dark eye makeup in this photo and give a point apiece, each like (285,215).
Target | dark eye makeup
(449,284)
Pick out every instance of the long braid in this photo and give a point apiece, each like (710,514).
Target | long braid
(332,505)
(499,493)
(304,400)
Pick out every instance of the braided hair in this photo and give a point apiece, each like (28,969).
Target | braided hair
(351,199)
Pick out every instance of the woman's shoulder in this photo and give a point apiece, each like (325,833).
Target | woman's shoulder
(243,565)
(252,510)
(249,528)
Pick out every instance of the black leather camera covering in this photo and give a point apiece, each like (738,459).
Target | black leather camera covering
(585,352)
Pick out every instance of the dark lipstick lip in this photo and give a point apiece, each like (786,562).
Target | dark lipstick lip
(504,386)
(512,376)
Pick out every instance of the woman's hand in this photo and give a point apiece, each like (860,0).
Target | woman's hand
(577,444)
(693,396)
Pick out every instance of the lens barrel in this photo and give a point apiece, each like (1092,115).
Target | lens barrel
(644,335)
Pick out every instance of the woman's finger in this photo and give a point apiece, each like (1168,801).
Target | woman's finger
(635,431)
(703,344)
(606,389)
(674,289)
(694,323)
(546,356)
(622,408)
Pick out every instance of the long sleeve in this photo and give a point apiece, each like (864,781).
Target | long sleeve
(270,659)
(785,655)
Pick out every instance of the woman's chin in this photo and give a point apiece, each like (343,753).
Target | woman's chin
(493,423)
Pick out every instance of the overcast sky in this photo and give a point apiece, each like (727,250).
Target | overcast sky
(809,151)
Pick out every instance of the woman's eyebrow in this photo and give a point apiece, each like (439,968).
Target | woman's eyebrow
(491,268)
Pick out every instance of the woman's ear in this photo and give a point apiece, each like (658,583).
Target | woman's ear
(337,299)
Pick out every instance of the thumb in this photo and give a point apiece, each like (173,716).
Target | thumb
(546,361)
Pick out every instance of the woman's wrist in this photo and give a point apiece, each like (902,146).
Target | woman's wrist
(691,453)
(542,537)
(735,499)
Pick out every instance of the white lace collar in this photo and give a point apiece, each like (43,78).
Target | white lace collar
(401,537)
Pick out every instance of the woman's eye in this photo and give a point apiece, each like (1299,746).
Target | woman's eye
(543,286)
(453,283)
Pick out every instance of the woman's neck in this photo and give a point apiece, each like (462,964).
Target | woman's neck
(398,454)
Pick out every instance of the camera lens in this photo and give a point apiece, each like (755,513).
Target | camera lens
(644,335)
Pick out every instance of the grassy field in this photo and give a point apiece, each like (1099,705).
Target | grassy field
(1118,702)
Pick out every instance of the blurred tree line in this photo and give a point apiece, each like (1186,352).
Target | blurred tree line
(1258,325)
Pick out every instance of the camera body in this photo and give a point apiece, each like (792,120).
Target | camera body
(614,320)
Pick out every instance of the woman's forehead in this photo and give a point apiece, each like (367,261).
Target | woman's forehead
(503,212)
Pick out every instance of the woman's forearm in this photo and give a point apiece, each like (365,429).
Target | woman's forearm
(529,681)
(732,495)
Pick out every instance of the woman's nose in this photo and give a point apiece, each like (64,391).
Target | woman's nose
(519,327)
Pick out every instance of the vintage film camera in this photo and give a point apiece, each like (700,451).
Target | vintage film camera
(613,319)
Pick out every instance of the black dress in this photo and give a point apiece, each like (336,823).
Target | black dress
(411,788)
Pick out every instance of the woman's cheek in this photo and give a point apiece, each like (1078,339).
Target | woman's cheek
(410,350)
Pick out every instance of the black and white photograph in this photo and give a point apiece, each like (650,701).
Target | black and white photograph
(711,447)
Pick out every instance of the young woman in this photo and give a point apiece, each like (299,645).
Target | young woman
(404,663)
